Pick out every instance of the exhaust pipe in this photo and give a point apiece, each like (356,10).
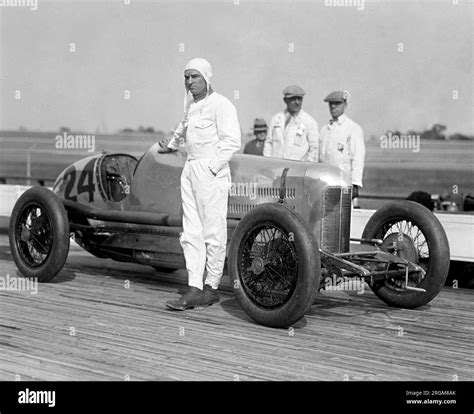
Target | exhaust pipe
(132,217)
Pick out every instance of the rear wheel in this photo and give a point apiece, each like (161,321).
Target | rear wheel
(274,265)
(39,234)
(412,232)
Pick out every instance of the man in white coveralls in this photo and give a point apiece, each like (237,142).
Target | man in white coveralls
(342,140)
(210,134)
(293,133)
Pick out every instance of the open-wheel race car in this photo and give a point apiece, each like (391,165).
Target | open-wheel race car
(288,229)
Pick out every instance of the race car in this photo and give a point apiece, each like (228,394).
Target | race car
(288,230)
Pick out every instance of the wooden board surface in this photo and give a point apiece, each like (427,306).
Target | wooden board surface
(103,320)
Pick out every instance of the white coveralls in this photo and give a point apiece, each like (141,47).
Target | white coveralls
(342,144)
(210,138)
(292,137)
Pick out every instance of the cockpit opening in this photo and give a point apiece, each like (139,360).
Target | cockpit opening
(116,174)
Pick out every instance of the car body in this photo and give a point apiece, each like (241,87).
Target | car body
(321,194)
(288,226)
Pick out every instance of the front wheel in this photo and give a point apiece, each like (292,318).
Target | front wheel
(39,234)
(274,265)
(412,232)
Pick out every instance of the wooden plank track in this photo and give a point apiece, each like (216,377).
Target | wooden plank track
(103,320)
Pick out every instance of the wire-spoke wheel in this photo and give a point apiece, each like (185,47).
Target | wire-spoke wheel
(274,265)
(39,234)
(33,234)
(269,266)
(412,232)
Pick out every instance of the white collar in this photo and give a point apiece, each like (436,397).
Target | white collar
(286,113)
(339,121)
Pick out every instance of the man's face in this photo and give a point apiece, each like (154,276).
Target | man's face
(294,104)
(337,108)
(261,135)
(194,82)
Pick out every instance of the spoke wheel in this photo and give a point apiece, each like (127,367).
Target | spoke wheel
(411,231)
(406,240)
(269,266)
(274,265)
(39,234)
(33,235)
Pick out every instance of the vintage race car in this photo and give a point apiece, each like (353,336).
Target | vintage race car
(288,230)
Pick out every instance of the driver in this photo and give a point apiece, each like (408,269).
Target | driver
(210,134)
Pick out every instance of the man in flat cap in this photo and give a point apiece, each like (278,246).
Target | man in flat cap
(255,147)
(293,133)
(210,135)
(342,140)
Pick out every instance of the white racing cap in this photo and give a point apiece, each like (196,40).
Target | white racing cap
(205,69)
(202,66)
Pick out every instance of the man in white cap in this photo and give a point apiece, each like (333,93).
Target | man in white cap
(342,140)
(293,133)
(210,134)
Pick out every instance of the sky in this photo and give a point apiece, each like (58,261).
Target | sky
(406,64)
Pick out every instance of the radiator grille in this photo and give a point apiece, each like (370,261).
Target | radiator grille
(242,208)
(253,191)
(336,222)
(243,197)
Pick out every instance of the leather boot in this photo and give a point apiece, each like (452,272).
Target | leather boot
(192,298)
(209,296)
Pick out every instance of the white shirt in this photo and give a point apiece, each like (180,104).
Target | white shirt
(211,130)
(297,140)
(342,144)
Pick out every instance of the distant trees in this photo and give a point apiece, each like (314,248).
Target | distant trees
(126,130)
(436,132)
(459,137)
(149,130)
(142,129)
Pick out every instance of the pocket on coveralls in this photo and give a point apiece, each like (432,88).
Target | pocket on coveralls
(223,172)
(204,130)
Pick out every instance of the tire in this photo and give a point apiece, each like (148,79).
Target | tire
(423,242)
(280,246)
(39,234)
